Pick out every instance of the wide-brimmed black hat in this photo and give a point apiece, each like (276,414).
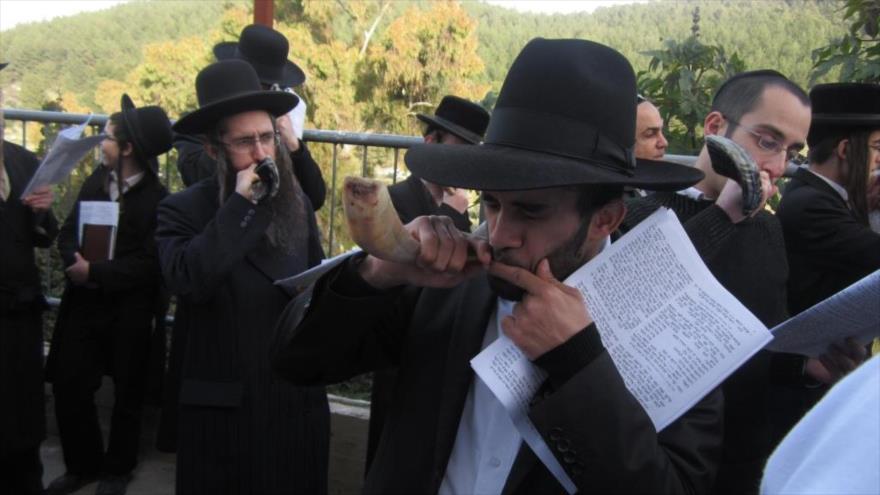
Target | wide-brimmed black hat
(148,129)
(566,115)
(266,50)
(227,88)
(843,106)
(460,117)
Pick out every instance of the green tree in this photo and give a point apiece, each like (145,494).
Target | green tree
(857,53)
(681,79)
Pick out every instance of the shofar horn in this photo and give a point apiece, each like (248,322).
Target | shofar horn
(732,160)
(375,226)
(373,222)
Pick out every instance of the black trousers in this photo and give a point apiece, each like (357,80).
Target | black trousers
(21,472)
(122,353)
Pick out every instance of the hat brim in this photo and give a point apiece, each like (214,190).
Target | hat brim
(205,118)
(502,168)
(132,123)
(291,74)
(451,127)
(848,120)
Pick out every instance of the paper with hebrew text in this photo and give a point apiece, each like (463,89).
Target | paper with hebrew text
(673,332)
(67,150)
(514,380)
(853,313)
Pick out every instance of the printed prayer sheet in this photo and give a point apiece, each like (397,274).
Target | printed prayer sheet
(67,150)
(853,312)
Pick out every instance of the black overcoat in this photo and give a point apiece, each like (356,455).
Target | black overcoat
(828,249)
(241,430)
(22,417)
(592,424)
(125,289)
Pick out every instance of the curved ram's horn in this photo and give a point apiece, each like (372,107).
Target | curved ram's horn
(373,222)
(732,160)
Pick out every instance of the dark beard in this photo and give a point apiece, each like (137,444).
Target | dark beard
(564,260)
(289,229)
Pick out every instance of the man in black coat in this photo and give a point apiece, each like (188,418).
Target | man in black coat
(107,311)
(768,116)
(824,216)
(222,244)
(24,224)
(551,204)
(455,122)
(266,50)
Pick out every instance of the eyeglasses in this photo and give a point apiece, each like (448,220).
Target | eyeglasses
(770,144)
(248,144)
(874,146)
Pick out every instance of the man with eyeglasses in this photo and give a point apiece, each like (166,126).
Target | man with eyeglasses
(222,245)
(769,116)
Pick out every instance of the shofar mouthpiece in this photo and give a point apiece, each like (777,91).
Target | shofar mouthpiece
(373,222)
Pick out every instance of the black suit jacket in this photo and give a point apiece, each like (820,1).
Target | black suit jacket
(828,249)
(239,426)
(598,432)
(411,199)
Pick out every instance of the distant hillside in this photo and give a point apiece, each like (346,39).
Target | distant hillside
(74,54)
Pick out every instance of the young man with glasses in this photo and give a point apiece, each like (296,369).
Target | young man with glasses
(221,247)
(769,116)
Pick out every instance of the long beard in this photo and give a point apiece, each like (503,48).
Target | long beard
(289,228)
(564,260)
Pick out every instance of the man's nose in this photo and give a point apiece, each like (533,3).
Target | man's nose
(259,151)
(774,165)
(662,143)
(504,232)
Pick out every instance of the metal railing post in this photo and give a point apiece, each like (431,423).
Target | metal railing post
(396,154)
(332,202)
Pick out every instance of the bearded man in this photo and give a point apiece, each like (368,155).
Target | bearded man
(558,153)
(222,244)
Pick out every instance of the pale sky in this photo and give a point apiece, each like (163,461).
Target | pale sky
(13,12)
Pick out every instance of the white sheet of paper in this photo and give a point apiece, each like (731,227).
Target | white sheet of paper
(513,379)
(67,150)
(853,312)
(671,329)
(97,213)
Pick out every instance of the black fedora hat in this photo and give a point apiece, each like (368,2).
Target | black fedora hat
(227,88)
(266,50)
(460,117)
(148,129)
(566,115)
(842,106)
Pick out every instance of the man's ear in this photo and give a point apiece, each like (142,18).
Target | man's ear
(840,149)
(210,149)
(431,137)
(714,123)
(607,219)
(128,150)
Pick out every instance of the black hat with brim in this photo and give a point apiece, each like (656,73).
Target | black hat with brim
(450,127)
(266,50)
(565,116)
(228,88)
(843,106)
(148,129)
(460,117)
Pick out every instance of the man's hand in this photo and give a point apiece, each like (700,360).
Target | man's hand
(78,272)
(549,314)
(457,198)
(730,200)
(841,358)
(285,128)
(442,260)
(40,200)
(244,181)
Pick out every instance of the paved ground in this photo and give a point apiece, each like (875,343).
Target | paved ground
(155,472)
